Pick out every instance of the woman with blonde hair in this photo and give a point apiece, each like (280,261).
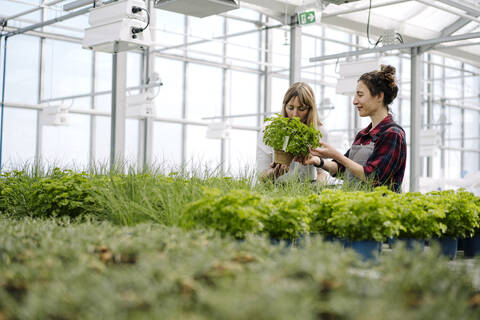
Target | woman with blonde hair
(299,101)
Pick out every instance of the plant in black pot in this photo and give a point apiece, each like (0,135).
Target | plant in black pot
(289,138)
(288,219)
(365,219)
(236,213)
(461,218)
(420,219)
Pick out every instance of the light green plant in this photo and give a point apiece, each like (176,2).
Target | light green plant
(301,136)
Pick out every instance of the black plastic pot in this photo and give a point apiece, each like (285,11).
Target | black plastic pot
(448,246)
(367,249)
(409,243)
(471,246)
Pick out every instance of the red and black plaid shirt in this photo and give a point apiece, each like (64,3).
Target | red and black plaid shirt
(386,165)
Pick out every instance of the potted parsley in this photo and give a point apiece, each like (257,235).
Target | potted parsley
(289,138)
(236,213)
(419,217)
(461,218)
(364,220)
(288,219)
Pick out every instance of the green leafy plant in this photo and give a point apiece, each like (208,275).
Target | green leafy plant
(61,193)
(419,217)
(301,136)
(461,213)
(322,207)
(236,213)
(365,216)
(288,219)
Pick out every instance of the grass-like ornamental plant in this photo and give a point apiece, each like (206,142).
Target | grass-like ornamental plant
(419,217)
(236,213)
(365,216)
(301,136)
(461,212)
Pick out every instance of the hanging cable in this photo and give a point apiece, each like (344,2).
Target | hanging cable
(3,97)
(368,27)
(139,30)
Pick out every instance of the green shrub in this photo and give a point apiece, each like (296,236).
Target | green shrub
(288,219)
(236,213)
(301,136)
(365,216)
(322,207)
(62,193)
(419,217)
(461,213)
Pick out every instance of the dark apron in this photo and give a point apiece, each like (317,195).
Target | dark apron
(360,154)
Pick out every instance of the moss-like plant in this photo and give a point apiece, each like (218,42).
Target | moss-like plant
(300,136)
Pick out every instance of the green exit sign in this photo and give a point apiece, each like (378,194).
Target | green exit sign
(306,17)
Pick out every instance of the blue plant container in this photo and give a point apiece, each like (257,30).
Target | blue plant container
(448,246)
(367,249)
(409,243)
(282,242)
(334,239)
(471,246)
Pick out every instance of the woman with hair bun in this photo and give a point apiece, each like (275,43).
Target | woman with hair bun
(379,151)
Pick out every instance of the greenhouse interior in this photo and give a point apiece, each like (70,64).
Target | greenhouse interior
(240,159)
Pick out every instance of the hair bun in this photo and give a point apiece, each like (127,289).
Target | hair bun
(387,69)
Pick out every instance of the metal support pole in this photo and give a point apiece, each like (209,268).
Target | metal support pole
(295,51)
(145,126)
(93,118)
(430,93)
(119,77)
(267,71)
(3,96)
(415,116)
(184,97)
(225,92)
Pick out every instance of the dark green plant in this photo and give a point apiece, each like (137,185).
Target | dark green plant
(61,193)
(301,136)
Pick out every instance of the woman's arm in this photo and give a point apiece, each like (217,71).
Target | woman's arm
(327,151)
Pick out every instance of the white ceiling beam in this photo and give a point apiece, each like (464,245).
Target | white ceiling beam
(462,6)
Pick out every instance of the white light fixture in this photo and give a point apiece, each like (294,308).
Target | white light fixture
(430,142)
(140,106)
(219,130)
(350,71)
(54,116)
(118,26)
(197,8)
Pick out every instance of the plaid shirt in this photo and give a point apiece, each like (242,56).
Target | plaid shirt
(386,165)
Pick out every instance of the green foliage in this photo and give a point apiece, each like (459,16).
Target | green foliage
(461,213)
(419,217)
(289,218)
(62,193)
(322,207)
(365,216)
(301,136)
(55,269)
(236,213)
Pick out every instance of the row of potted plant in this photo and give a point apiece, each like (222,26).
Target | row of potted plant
(359,215)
